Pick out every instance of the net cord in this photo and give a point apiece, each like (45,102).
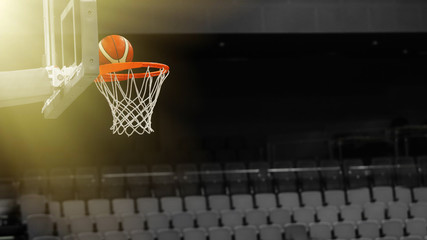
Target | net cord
(131,106)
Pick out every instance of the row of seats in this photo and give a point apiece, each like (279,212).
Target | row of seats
(239,233)
(265,232)
(222,178)
(154,221)
(317,230)
(210,218)
(152,214)
(33,203)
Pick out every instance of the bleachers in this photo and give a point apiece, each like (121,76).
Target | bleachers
(209,201)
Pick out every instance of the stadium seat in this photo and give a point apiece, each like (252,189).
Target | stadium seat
(89,236)
(147,205)
(245,233)
(87,183)
(374,210)
(131,222)
(142,235)
(308,180)
(356,178)
(412,237)
(157,221)
(320,230)
(256,217)
(182,220)
(271,232)
(168,234)
(74,208)
(393,227)
(369,229)
(422,169)
(189,184)
(382,194)
(163,185)
(358,196)
(8,190)
(8,205)
(220,233)
(62,227)
(335,197)
(418,210)
(345,230)
(138,186)
(262,181)
(237,182)
(382,176)
(312,198)
(46,238)
(397,210)
(406,172)
(39,225)
(351,213)
(34,181)
(106,222)
(280,216)
(81,224)
(284,181)
(242,201)
(387,238)
(112,187)
(61,184)
(219,202)
(54,209)
(194,234)
(416,226)
(403,194)
(265,201)
(289,200)
(115,235)
(231,218)
(304,215)
(171,204)
(212,179)
(207,219)
(195,203)
(98,207)
(31,204)
(420,194)
(328,214)
(297,231)
(123,206)
(332,179)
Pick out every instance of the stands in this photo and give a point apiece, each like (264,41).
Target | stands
(237,207)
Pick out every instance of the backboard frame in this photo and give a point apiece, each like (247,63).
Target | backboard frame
(70,59)
(70,81)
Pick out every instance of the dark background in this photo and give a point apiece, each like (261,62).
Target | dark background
(251,86)
(256,72)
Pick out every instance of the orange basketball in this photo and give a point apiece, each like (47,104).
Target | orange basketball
(115,49)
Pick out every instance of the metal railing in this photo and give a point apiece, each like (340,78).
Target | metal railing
(223,172)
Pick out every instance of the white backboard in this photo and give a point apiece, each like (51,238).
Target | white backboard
(67,31)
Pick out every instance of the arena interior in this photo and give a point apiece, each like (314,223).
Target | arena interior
(279,120)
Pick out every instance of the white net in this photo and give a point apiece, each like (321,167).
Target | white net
(132,101)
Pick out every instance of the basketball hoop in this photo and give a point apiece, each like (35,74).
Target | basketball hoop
(131,96)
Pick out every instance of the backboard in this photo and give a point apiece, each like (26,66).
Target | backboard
(69,60)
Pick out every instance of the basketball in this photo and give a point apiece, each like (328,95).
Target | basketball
(115,49)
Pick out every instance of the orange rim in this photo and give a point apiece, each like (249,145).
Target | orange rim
(105,70)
